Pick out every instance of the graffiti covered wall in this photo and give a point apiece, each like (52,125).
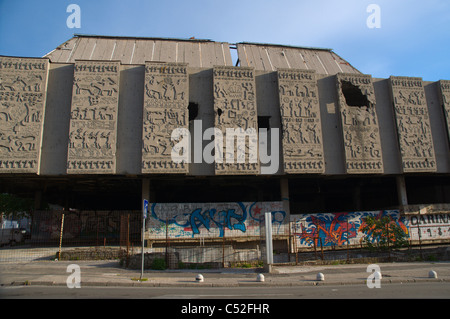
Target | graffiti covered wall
(430,227)
(214,220)
(335,230)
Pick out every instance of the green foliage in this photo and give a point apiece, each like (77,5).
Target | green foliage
(383,233)
(158,264)
(11,204)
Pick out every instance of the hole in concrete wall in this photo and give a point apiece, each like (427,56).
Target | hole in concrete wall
(353,95)
(219,112)
(193,111)
(234,56)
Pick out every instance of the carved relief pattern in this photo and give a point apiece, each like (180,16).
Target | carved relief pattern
(445,96)
(300,119)
(235,108)
(23,86)
(413,124)
(359,125)
(166,100)
(93,119)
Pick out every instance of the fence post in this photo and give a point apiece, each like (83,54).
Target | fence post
(167,242)
(61,236)
(321,246)
(348,256)
(144,216)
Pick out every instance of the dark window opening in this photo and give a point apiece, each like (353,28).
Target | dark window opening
(264,122)
(219,112)
(193,111)
(353,95)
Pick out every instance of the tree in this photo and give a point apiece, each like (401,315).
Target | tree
(14,205)
(383,233)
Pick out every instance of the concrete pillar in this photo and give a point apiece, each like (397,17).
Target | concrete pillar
(284,186)
(284,189)
(37,199)
(145,190)
(401,190)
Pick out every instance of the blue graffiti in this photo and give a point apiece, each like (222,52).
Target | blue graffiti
(233,219)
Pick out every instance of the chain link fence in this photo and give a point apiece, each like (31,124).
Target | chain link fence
(71,235)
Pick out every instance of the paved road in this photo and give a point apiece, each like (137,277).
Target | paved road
(425,290)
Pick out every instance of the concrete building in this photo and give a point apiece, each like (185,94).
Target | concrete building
(89,125)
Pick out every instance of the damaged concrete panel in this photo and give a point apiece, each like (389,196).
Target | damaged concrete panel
(356,100)
(413,124)
(23,91)
(166,100)
(300,120)
(237,119)
(445,101)
(93,118)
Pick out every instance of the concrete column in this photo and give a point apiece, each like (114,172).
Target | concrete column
(37,199)
(284,186)
(284,189)
(145,191)
(401,190)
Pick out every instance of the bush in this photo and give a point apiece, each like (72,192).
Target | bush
(158,264)
(383,233)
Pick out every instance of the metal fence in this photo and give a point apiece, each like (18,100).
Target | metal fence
(72,235)
(91,235)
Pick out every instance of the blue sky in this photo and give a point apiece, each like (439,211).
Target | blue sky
(413,40)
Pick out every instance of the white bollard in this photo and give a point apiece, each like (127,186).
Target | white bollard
(432,274)
(377,275)
(199,278)
(260,278)
(320,277)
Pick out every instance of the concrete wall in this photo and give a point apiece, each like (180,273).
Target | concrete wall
(214,220)
(421,224)
(129,126)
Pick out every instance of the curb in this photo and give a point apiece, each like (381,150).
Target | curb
(237,284)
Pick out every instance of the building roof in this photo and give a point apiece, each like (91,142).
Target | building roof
(202,53)
(134,50)
(269,57)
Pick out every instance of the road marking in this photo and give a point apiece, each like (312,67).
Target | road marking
(218,295)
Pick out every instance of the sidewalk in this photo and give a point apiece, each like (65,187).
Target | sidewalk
(109,273)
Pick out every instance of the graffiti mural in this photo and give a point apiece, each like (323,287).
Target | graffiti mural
(209,220)
(338,229)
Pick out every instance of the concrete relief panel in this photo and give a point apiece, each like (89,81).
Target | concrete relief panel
(359,123)
(445,100)
(300,119)
(237,119)
(166,100)
(23,87)
(413,124)
(93,118)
